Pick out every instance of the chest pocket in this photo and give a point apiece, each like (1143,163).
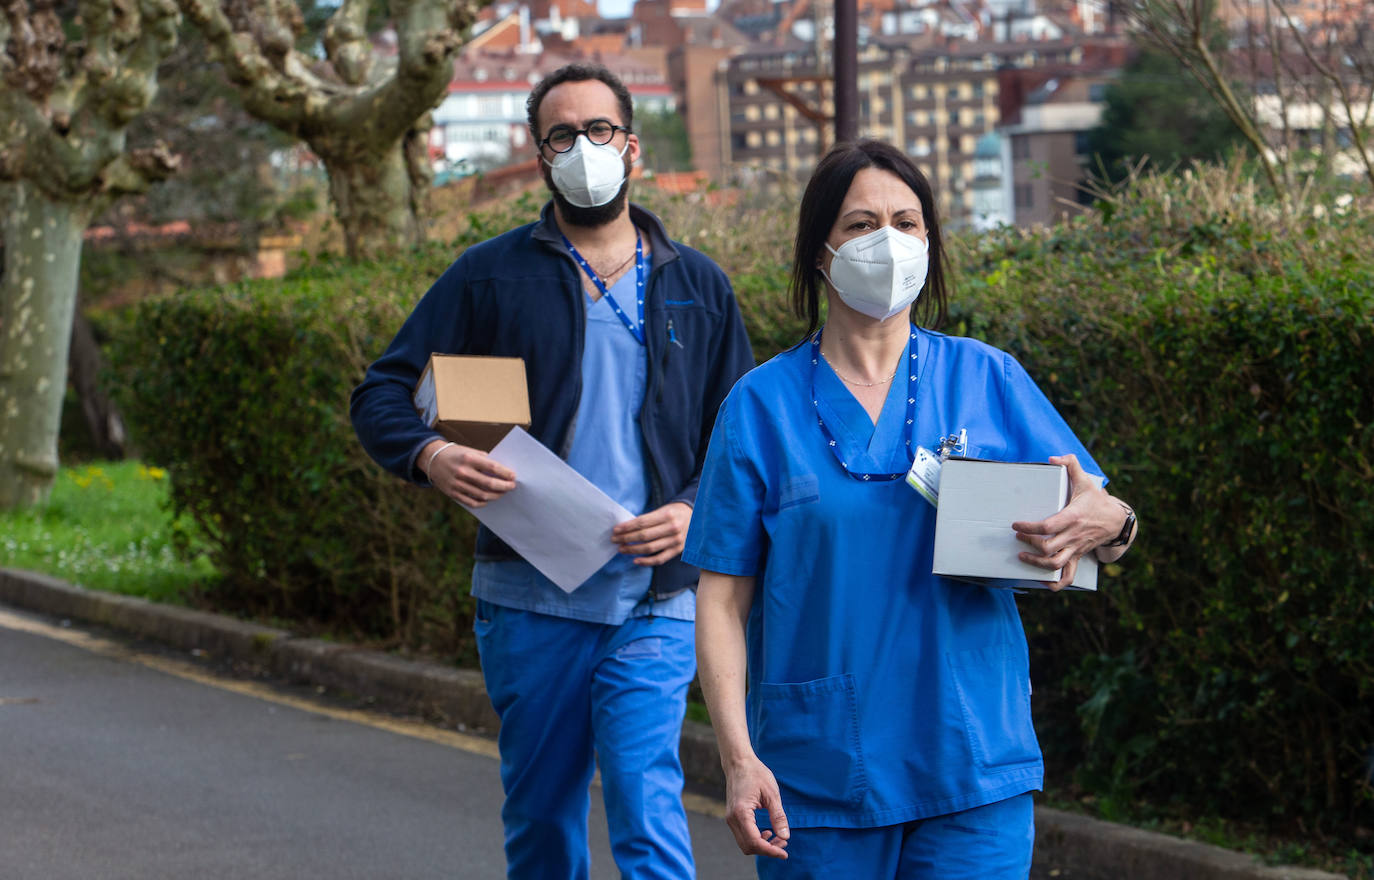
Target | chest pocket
(801,489)
(685,331)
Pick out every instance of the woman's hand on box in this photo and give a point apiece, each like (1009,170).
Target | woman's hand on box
(1089,520)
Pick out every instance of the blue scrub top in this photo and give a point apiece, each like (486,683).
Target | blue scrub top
(607,449)
(878,692)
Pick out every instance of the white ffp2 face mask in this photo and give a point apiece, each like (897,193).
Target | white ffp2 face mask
(879,273)
(589,175)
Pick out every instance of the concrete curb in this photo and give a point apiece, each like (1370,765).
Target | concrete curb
(1068,846)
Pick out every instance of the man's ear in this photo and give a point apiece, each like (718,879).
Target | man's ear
(633,141)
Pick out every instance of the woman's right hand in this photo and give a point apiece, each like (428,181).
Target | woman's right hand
(750,786)
(468,476)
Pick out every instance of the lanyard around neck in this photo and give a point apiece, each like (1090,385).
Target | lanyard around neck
(636,330)
(910,411)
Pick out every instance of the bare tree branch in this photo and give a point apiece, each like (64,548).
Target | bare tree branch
(32,61)
(1342,88)
(345,42)
(1180,27)
(358,109)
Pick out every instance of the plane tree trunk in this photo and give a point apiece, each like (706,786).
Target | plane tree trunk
(68,91)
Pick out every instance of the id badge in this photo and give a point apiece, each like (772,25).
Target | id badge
(924,475)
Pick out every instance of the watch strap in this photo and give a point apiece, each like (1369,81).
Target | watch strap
(1127,528)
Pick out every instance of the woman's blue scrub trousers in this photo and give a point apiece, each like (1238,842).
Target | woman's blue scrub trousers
(570,695)
(991,842)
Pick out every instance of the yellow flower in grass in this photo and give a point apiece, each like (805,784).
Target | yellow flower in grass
(151,473)
(91,475)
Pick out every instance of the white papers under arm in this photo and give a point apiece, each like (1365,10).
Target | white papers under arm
(557,519)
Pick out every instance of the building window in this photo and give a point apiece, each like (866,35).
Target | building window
(1081,143)
(979,122)
(978,91)
(1097,92)
(1023,195)
(1020,146)
(954,143)
(954,117)
(954,93)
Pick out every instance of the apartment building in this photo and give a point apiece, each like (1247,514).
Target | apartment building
(936,101)
(1045,158)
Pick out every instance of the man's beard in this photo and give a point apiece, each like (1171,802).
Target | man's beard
(597,216)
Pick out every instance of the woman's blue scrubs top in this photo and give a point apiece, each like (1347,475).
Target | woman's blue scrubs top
(878,693)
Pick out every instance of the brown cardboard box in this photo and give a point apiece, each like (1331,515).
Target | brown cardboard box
(472,399)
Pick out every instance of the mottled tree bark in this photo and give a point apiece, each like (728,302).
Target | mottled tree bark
(373,201)
(361,111)
(64,108)
(37,297)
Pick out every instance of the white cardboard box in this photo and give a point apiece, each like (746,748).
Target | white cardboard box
(979,500)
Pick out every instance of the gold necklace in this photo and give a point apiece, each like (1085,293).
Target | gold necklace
(860,384)
(604,275)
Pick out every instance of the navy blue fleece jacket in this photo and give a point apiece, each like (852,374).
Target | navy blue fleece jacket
(520,295)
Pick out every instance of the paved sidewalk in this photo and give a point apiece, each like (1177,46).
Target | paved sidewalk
(1068,846)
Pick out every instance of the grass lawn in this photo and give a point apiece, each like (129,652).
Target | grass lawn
(107,527)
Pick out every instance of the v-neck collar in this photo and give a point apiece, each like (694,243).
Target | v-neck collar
(865,445)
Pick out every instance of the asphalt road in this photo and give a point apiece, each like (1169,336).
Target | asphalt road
(116,763)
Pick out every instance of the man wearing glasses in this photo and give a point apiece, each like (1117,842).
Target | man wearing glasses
(630,341)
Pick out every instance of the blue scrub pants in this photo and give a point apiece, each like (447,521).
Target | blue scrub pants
(992,842)
(571,695)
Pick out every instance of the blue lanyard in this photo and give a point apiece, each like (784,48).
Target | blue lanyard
(636,330)
(910,410)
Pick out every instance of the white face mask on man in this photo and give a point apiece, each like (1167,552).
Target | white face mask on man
(879,273)
(589,175)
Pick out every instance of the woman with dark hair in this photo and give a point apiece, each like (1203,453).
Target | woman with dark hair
(886,730)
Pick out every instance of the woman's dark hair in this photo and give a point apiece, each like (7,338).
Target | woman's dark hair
(579,73)
(820,205)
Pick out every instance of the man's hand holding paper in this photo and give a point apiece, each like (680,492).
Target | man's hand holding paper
(655,537)
(468,476)
(555,518)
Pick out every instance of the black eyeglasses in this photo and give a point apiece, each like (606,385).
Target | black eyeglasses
(599,131)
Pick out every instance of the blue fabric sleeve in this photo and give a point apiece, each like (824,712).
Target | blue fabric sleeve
(1033,423)
(726,534)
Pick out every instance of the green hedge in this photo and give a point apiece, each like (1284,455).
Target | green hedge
(1214,355)
(1219,364)
(242,393)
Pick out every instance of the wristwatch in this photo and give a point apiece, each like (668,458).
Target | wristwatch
(1127,528)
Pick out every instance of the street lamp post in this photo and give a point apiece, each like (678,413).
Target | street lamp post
(846,71)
